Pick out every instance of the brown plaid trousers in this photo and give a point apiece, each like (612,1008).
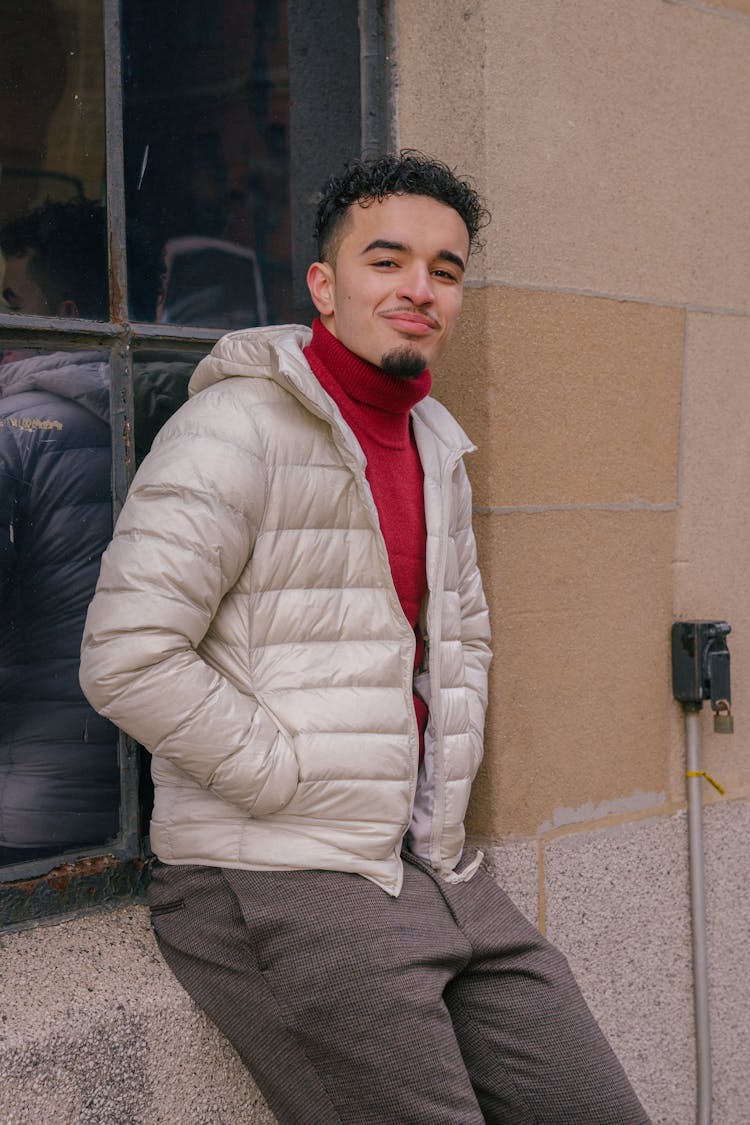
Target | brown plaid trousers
(443,1006)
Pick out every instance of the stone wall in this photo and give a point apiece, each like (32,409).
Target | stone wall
(602,367)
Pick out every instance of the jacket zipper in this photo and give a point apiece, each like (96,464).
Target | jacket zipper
(436,702)
(435,596)
(365,495)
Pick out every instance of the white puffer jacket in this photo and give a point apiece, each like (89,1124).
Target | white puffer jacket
(247,631)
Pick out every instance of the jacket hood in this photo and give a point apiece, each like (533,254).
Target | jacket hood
(276,353)
(251,352)
(82,377)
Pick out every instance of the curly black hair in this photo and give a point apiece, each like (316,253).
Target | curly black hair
(408,172)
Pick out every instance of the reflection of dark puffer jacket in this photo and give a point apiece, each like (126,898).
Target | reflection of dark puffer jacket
(58,759)
(160,385)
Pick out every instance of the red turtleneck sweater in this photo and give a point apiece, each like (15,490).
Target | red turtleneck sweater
(377,407)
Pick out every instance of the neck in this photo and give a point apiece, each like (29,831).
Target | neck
(363,382)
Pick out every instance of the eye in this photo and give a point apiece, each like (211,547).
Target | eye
(385,263)
(446,275)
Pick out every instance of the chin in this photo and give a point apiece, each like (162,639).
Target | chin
(405,362)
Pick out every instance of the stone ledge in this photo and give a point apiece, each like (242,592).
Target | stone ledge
(94,1029)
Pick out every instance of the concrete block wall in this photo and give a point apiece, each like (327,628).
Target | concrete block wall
(94,1030)
(603,369)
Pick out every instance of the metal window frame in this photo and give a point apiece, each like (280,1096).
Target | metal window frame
(76,882)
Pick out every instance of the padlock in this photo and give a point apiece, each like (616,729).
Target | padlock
(723,719)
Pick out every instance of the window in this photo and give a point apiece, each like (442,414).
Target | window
(158,165)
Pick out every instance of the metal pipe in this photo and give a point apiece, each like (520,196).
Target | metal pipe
(698,916)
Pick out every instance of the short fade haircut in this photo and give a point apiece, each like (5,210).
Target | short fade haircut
(68,246)
(405,173)
(67,242)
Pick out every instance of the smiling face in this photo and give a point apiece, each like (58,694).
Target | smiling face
(394,291)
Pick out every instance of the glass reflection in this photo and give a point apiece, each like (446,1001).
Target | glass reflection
(160,386)
(59,778)
(206,125)
(52,134)
(54,261)
(59,784)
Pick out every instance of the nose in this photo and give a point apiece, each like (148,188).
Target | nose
(415,285)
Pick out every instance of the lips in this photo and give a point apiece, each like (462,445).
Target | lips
(412,323)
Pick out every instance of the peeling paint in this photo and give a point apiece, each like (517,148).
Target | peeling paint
(638,802)
(71,888)
(117,296)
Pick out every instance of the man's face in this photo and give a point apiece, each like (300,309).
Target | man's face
(396,287)
(20,292)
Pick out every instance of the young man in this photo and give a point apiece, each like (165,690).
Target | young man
(291,619)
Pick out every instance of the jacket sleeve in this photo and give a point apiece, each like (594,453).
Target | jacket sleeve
(475,621)
(183,538)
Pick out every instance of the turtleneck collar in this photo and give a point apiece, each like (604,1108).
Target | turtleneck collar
(363,382)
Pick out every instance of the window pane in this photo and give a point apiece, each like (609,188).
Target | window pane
(160,386)
(206,124)
(59,774)
(59,777)
(325,112)
(52,152)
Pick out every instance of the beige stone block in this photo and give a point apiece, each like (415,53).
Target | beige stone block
(740,6)
(570,399)
(440,94)
(713,530)
(612,139)
(580,682)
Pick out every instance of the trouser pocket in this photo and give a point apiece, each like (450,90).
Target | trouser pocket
(167,907)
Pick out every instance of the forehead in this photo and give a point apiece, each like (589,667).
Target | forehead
(417,221)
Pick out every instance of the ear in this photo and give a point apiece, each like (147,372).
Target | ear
(67,308)
(321,282)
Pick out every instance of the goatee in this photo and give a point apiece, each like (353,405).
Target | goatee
(403,363)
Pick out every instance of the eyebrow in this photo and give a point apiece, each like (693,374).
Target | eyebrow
(386,244)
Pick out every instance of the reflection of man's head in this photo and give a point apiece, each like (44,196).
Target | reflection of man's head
(56,261)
